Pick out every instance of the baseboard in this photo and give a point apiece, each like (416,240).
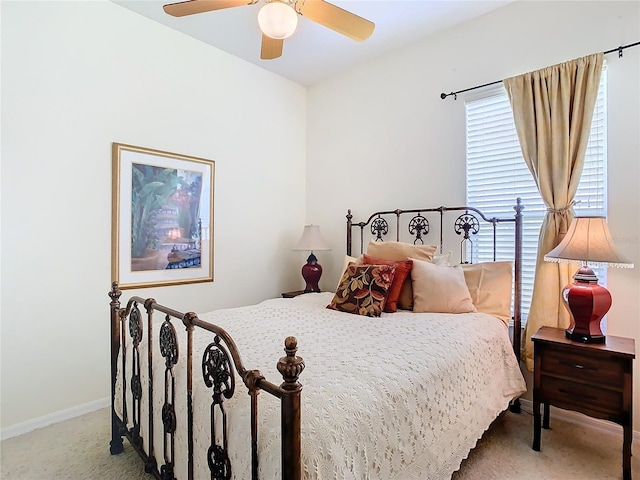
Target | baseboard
(580,419)
(69,413)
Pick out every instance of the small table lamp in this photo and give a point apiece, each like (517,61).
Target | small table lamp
(589,241)
(312,271)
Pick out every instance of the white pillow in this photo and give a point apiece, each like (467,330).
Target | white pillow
(442,259)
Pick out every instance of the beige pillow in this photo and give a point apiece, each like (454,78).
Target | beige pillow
(490,285)
(347,260)
(402,251)
(439,289)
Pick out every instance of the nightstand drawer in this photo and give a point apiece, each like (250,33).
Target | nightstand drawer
(593,369)
(577,394)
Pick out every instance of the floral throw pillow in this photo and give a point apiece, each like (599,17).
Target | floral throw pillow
(363,289)
(403,267)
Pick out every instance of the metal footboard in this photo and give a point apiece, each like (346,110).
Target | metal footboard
(220,361)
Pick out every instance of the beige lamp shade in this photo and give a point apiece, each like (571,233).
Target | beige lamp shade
(312,240)
(588,240)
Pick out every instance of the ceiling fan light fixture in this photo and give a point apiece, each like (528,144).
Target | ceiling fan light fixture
(277,20)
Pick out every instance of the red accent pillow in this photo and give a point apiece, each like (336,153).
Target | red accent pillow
(403,267)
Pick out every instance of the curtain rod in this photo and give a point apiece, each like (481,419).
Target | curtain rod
(455,94)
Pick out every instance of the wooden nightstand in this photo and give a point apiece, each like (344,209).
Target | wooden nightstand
(292,294)
(594,379)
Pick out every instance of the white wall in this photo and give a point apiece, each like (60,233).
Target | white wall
(381,136)
(77,76)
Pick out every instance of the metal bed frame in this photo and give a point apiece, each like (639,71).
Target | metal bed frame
(221,360)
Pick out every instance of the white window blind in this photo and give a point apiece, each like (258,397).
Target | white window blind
(497,175)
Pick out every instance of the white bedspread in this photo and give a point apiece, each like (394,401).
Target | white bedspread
(403,396)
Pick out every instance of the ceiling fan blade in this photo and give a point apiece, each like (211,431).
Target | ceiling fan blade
(271,47)
(336,18)
(190,7)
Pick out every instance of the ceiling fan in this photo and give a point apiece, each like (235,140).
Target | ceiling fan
(278,19)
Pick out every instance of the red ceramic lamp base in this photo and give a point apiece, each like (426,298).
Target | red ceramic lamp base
(311,272)
(587,303)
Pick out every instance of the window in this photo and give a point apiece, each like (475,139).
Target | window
(497,175)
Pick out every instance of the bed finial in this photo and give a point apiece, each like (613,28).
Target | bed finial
(349,217)
(115,292)
(188,319)
(116,445)
(518,206)
(291,366)
(148,304)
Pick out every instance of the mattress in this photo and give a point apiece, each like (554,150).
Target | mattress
(403,396)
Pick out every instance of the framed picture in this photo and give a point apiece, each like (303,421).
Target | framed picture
(162,218)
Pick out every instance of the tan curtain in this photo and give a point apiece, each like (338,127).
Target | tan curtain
(552,109)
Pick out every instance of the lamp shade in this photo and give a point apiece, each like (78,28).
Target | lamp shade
(588,240)
(311,240)
(277,20)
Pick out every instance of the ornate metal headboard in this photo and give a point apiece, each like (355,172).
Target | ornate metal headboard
(467,223)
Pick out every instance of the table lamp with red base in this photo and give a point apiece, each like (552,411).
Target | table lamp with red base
(311,241)
(588,240)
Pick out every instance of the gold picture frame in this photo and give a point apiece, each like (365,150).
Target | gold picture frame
(162,217)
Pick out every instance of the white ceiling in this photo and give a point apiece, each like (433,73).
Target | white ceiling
(315,52)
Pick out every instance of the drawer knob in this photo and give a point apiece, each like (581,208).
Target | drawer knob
(580,366)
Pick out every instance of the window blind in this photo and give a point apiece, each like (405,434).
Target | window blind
(497,175)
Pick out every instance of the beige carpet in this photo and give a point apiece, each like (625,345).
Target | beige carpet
(79,449)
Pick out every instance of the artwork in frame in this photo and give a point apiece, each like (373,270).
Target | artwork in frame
(162,217)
